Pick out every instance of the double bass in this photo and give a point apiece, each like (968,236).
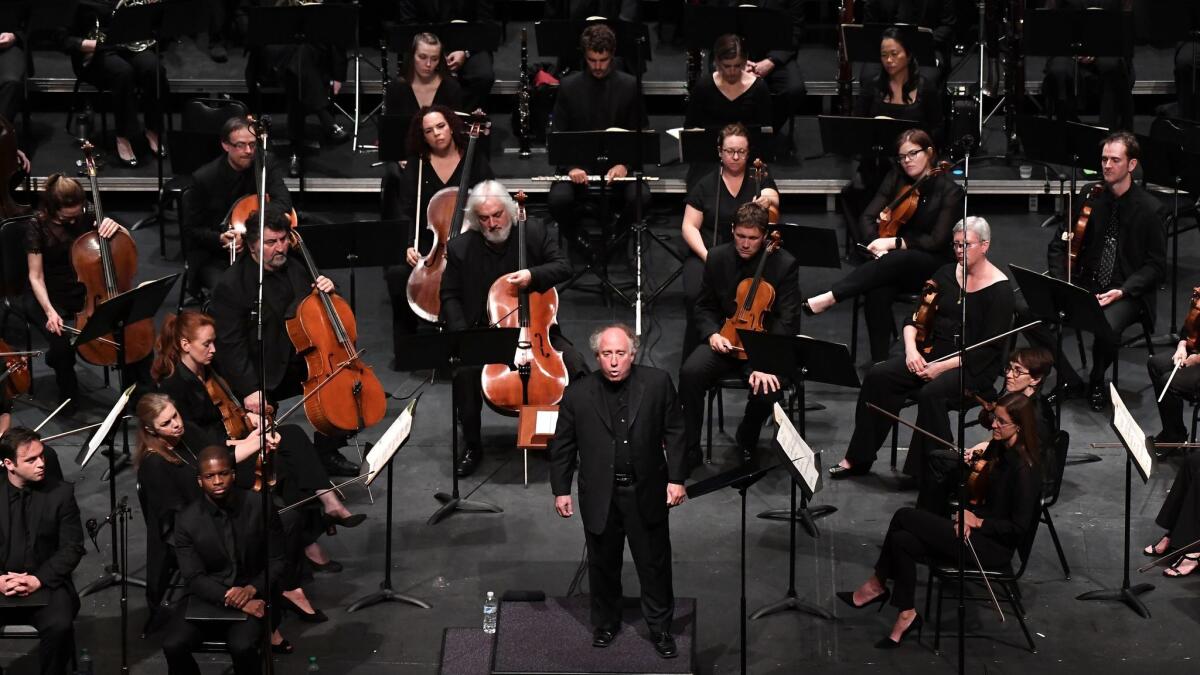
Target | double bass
(540,375)
(755,298)
(444,216)
(106,267)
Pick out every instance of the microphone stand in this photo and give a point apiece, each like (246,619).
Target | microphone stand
(639,185)
(118,518)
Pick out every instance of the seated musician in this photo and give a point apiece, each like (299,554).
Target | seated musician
(285,283)
(919,373)
(904,261)
(424,81)
(43,539)
(1011,505)
(437,148)
(1180,517)
(709,210)
(1122,259)
(125,70)
(595,99)
(216,187)
(1185,382)
(475,260)
(725,267)
(899,90)
(939,15)
(225,518)
(55,292)
(12,71)
(473,69)
(1111,75)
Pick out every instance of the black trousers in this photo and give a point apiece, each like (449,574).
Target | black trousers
(1180,512)
(786,84)
(571,204)
(1120,315)
(220,19)
(55,624)
(702,369)
(692,277)
(470,395)
(130,77)
(1170,409)
(12,73)
(304,72)
(1112,77)
(404,320)
(650,546)
(477,76)
(242,639)
(1186,56)
(880,281)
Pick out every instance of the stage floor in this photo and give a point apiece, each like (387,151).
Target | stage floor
(453,564)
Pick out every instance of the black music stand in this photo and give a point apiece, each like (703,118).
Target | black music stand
(700,146)
(393,137)
(456,349)
(480,36)
(560,38)
(364,243)
(764,30)
(861,136)
(1078,32)
(739,479)
(862,42)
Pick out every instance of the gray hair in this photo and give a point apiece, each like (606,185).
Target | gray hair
(977,225)
(489,189)
(594,338)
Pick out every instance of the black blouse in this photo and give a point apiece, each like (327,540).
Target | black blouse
(708,108)
(926,111)
(402,102)
(718,213)
(430,185)
(1013,499)
(53,242)
(931,228)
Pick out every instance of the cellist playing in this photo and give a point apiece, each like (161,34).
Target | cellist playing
(726,266)
(477,258)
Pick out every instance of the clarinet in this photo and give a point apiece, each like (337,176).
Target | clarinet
(524,130)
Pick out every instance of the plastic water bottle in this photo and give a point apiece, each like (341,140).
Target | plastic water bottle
(86,666)
(490,609)
(312,665)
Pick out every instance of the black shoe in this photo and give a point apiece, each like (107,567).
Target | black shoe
(337,465)
(664,644)
(284,647)
(839,472)
(316,617)
(349,521)
(1066,391)
(848,598)
(331,567)
(468,461)
(1097,397)
(217,53)
(1163,438)
(602,637)
(747,454)
(294,166)
(336,133)
(131,163)
(888,643)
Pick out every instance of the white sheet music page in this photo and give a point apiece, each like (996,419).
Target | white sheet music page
(797,450)
(1131,433)
(390,442)
(545,422)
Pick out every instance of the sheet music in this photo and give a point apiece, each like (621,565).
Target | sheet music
(545,422)
(391,440)
(797,450)
(1130,432)
(107,426)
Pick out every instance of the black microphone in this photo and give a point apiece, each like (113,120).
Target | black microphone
(92,528)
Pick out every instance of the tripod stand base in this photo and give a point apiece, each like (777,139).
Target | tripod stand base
(108,580)
(791,603)
(1128,595)
(386,594)
(450,504)
(805,515)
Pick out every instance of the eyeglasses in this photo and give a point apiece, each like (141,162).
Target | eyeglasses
(996,423)
(910,155)
(1015,370)
(241,145)
(735,152)
(959,246)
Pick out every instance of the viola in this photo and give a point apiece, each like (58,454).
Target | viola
(925,314)
(755,298)
(241,210)
(903,207)
(106,267)
(540,375)
(1191,325)
(759,174)
(236,421)
(9,169)
(444,216)
(1080,229)
(15,377)
(342,394)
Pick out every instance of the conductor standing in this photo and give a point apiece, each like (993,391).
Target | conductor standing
(622,426)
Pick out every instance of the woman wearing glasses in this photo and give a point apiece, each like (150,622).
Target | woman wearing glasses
(927,370)
(709,209)
(903,262)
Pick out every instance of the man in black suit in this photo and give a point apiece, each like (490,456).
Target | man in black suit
(474,261)
(598,98)
(219,545)
(1122,259)
(621,428)
(285,282)
(727,265)
(474,69)
(216,186)
(42,551)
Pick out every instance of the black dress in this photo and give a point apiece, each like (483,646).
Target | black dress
(709,108)
(1180,512)
(925,111)
(53,242)
(402,102)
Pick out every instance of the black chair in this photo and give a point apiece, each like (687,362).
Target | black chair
(1054,461)
(715,395)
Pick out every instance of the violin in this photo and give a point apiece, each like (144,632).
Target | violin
(759,174)
(15,377)
(925,314)
(236,421)
(1076,236)
(444,216)
(106,267)
(1191,327)
(755,298)
(342,394)
(540,375)
(9,168)
(901,209)
(242,209)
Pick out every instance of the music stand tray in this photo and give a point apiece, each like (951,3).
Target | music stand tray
(363,243)
(478,36)
(557,38)
(335,24)
(862,41)
(764,30)
(1078,32)
(853,136)
(700,145)
(136,304)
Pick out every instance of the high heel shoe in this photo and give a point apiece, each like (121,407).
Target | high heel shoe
(889,643)
(316,617)
(348,521)
(283,647)
(848,598)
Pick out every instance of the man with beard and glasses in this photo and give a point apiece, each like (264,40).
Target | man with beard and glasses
(474,260)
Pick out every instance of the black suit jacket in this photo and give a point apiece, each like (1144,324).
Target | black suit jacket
(204,562)
(718,289)
(56,535)
(583,439)
(215,187)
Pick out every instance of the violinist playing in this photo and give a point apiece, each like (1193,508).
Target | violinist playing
(476,259)
(1122,257)
(1009,507)
(1178,367)
(919,373)
(726,267)
(285,282)
(902,251)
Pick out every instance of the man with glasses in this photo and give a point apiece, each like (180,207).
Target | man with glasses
(215,188)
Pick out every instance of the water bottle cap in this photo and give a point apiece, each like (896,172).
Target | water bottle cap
(491,595)
(312,659)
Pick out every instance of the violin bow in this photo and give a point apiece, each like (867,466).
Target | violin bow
(51,415)
(1158,561)
(988,341)
(983,575)
(1168,384)
(896,418)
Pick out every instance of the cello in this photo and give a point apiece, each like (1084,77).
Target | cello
(540,375)
(755,298)
(342,394)
(902,208)
(106,267)
(444,216)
